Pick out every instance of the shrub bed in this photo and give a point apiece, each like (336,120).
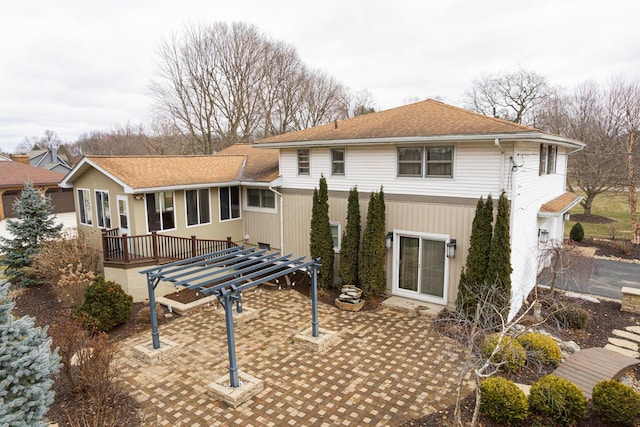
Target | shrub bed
(616,403)
(559,399)
(510,356)
(503,401)
(540,348)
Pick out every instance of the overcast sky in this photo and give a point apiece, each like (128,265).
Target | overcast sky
(77,66)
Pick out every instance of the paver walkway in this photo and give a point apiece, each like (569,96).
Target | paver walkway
(387,367)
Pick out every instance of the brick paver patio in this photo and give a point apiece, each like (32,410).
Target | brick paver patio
(386,368)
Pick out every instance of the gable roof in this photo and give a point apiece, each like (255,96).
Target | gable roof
(420,121)
(16,174)
(154,173)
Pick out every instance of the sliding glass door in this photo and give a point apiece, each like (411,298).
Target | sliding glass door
(421,267)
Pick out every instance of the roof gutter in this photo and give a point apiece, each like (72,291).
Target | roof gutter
(502,157)
(281,217)
(539,137)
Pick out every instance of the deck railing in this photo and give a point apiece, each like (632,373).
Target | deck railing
(154,247)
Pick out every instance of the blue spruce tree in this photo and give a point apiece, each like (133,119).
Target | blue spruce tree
(26,366)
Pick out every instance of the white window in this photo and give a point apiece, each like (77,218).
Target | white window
(84,205)
(303,162)
(198,211)
(160,211)
(229,203)
(425,161)
(261,198)
(103,212)
(548,159)
(336,236)
(337,161)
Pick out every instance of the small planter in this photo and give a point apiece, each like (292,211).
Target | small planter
(348,306)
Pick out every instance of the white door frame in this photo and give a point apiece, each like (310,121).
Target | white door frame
(395,289)
(125,199)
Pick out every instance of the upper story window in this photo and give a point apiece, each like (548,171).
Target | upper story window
(103,212)
(84,207)
(303,162)
(160,211)
(198,206)
(548,159)
(261,198)
(425,161)
(337,161)
(229,203)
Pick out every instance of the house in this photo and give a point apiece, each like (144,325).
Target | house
(434,162)
(14,174)
(164,204)
(49,159)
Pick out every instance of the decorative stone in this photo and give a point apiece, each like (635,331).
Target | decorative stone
(624,344)
(626,335)
(569,346)
(348,305)
(623,351)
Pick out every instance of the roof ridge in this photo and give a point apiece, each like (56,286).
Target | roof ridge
(484,116)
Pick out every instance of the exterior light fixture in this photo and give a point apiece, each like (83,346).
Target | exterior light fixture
(566,216)
(451,248)
(389,240)
(138,196)
(543,236)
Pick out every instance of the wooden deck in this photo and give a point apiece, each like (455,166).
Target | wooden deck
(585,368)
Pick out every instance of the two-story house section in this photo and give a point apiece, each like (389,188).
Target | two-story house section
(434,161)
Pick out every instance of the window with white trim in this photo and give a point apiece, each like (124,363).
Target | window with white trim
(336,235)
(198,211)
(337,161)
(425,161)
(261,198)
(160,211)
(229,203)
(548,159)
(103,211)
(303,162)
(84,206)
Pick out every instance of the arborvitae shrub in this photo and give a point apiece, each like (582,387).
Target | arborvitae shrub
(559,399)
(510,356)
(577,232)
(502,400)
(570,316)
(616,403)
(105,306)
(540,348)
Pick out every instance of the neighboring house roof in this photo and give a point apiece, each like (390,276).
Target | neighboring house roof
(417,122)
(4,158)
(48,159)
(261,165)
(16,174)
(560,204)
(154,173)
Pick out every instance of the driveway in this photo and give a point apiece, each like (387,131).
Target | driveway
(386,368)
(68,220)
(606,278)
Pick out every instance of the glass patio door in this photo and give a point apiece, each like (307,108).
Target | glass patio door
(421,266)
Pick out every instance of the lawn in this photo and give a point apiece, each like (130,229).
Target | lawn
(612,205)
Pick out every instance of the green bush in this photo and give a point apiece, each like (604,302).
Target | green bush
(105,306)
(540,348)
(503,401)
(616,403)
(577,232)
(559,399)
(511,355)
(570,316)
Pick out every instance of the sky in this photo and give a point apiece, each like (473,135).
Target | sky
(76,66)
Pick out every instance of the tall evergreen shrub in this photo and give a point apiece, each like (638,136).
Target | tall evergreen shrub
(32,228)
(499,268)
(321,242)
(373,277)
(350,250)
(26,367)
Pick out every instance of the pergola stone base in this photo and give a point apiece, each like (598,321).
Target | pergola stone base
(184,309)
(247,315)
(235,396)
(151,356)
(319,344)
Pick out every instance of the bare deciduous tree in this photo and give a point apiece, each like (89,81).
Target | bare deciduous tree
(48,141)
(511,96)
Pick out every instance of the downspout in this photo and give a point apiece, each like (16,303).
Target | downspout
(502,155)
(281,218)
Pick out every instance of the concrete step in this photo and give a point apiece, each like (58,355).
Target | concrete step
(626,335)
(624,344)
(623,351)
(635,329)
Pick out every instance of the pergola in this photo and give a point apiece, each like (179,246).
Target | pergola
(226,274)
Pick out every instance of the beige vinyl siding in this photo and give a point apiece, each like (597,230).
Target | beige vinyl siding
(476,171)
(263,227)
(452,219)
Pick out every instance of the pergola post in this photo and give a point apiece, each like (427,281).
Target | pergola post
(231,342)
(155,333)
(314,298)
